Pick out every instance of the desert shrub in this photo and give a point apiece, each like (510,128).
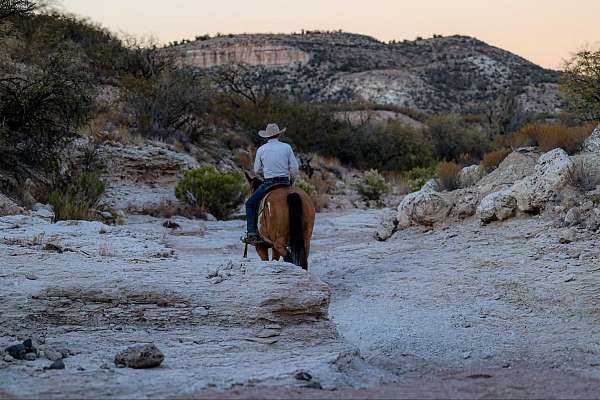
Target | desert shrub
(397,181)
(372,186)
(451,137)
(212,191)
(394,146)
(78,199)
(417,177)
(581,84)
(319,198)
(41,105)
(447,175)
(308,187)
(552,136)
(492,159)
(583,176)
(168,102)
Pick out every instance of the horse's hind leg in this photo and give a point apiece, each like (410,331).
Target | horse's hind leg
(263,252)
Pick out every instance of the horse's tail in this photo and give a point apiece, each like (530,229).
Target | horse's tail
(297,251)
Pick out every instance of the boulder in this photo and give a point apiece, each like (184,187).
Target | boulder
(45,214)
(387,226)
(8,206)
(465,203)
(140,356)
(497,206)
(592,143)
(535,191)
(424,207)
(516,166)
(573,216)
(469,176)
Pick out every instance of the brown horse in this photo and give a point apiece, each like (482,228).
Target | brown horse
(285,223)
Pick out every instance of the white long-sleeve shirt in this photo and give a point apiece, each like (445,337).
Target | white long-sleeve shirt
(276,159)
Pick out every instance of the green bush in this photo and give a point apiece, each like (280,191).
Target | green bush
(308,187)
(219,193)
(417,177)
(452,137)
(78,198)
(372,186)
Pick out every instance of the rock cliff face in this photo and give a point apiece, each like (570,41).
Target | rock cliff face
(265,55)
(455,73)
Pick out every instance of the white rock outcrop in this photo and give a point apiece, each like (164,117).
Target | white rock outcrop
(592,143)
(469,176)
(424,207)
(530,194)
(533,192)
(497,206)
(8,206)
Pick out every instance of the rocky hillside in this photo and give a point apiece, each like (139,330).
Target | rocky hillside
(455,73)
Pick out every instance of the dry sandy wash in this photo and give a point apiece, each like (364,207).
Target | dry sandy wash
(502,310)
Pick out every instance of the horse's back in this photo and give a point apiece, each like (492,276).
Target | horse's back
(278,199)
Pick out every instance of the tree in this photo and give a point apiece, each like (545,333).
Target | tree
(167,102)
(243,82)
(41,105)
(504,114)
(581,84)
(11,8)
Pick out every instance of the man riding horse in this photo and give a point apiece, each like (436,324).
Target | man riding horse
(276,162)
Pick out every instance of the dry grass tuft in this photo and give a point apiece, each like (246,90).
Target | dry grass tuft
(447,174)
(583,176)
(492,159)
(552,136)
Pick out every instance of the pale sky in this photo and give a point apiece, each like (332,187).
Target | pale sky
(543,31)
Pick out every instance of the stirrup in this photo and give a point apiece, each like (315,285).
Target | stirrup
(252,239)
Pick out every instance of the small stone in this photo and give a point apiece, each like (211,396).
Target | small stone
(466,355)
(567,236)
(53,355)
(53,248)
(200,312)
(573,216)
(171,225)
(216,279)
(8,358)
(212,273)
(45,214)
(303,376)
(140,356)
(30,357)
(106,215)
(30,276)
(314,385)
(210,217)
(58,364)
(18,351)
(268,333)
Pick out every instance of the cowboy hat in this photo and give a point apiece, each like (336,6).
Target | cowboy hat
(270,131)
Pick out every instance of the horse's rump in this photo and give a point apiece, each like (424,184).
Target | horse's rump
(285,222)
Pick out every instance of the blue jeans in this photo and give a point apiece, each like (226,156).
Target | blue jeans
(254,200)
